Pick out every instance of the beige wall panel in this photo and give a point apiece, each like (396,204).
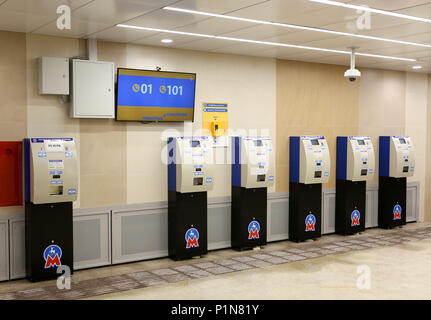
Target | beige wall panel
(247,84)
(313,99)
(381,106)
(427,215)
(103,149)
(13,95)
(416,127)
(103,162)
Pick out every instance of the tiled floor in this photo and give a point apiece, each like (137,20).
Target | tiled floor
(117,279)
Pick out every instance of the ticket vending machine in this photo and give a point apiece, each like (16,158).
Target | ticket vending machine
(355,166)
(51,185)
(190,176)
(252,174)
(396,163)
(309,167)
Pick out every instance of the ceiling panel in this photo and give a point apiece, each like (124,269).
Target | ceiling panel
(21,22)
(388,5)
(116,34)
(278,10)
(216,6)
(164,19)
(117,11)
(215,26)
(206,44)
(423,11)
(44,7)
(156,40)
(259,32)
(248,49)
(79,29)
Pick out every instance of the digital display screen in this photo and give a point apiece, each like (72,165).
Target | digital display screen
(195,143)
(361,142)
(258,143)
(402,141)
(144,95)
(315,142)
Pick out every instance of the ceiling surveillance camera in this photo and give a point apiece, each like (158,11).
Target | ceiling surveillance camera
(352,74)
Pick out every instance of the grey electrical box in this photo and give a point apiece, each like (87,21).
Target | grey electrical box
(53,75)
(92,86)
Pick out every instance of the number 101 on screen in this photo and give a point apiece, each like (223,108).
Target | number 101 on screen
(169,90)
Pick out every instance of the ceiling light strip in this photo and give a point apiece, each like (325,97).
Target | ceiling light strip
(293,26)
(378,11)
(277,44)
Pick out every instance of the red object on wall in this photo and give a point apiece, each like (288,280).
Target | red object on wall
(10,173)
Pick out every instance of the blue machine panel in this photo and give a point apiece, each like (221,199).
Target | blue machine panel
(294,159)
(236,161)
(341,158)
(172,166)
(384,155)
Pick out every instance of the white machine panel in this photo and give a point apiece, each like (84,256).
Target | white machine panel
(53,170)
(257,162)
(314,159)
(194,164)
(360,159)
(402,157)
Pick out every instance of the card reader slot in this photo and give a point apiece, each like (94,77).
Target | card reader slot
(55,190)
(198,181)
(56,176)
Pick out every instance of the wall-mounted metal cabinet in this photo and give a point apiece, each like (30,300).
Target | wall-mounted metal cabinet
(92,89)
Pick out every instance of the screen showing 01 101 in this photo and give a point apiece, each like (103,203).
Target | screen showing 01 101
(144,95)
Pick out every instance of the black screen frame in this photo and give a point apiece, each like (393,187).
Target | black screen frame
(154,121)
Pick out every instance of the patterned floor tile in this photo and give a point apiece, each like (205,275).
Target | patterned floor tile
(295,250)
(384,243)
(341,249)
(295,258)
(164,272)
(261,256)
(71,294)
(276,260)
(36,293)
(312,249)
(355,241)
(244,259)
(152,281)
(101,290)
(240,266)
(357,247)
(199,274)
(205,265)
(176,277)
(279,253)
(219,270)
(259,263)
(370,245)
(311,254)
(126,285)
(329,246)
(326,252)
(341,244)
(140,275)
(186,268)
(226,262)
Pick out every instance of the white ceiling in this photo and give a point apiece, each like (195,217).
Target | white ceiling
(97,19)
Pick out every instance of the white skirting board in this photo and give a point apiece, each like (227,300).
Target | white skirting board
(127,233)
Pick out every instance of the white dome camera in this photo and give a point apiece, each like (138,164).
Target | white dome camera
(352,74)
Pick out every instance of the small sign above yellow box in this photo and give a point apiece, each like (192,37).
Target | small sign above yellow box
(215,118)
